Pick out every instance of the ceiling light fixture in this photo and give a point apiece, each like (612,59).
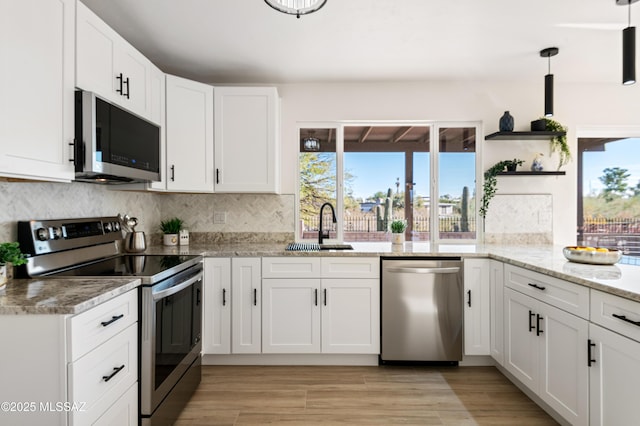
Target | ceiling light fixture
(628,48)
(548,81)
(311,143)
(296,7)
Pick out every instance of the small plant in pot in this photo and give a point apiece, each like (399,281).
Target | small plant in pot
(397,231)
(10,256)
(171,228)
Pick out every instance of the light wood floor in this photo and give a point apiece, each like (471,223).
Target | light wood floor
(387,395)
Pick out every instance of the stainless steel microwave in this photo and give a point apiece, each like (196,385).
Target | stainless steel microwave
(113,145)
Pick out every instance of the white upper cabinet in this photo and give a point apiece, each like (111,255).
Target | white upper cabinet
(37,91)
(189,134)
(109,66)
(247,139)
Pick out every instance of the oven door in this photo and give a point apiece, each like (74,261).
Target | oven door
(170,340)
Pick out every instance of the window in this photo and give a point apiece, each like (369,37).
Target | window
(609,193)
(374,173)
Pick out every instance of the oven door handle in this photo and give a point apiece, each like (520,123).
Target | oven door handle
(173,290)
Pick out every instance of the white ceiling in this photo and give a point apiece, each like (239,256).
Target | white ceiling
(247,42)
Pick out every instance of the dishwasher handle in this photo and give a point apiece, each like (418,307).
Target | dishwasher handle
(448,270)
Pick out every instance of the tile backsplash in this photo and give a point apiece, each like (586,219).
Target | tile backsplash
(256,213)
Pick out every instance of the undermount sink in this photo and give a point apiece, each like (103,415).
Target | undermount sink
(317,247)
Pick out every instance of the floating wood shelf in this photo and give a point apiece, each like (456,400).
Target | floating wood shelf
(528,173)
(523,135)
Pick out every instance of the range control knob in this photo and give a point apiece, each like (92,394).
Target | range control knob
(42,234)
(116,226)
(56,232)
(107,227)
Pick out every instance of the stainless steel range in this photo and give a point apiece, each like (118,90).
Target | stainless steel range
(170,301)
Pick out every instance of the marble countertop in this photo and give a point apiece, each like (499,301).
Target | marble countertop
(60,296)
(72,296)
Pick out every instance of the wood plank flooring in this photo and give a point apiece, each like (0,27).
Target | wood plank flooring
(386,395)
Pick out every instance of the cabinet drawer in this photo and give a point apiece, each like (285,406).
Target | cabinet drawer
(567,296)
(290,267)
(627,312)
(95,326)
(102,376)
(350,267)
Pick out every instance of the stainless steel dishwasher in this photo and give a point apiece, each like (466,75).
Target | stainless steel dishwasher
(422,308)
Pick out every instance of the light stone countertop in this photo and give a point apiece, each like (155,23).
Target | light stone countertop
(72,296)
(60,296)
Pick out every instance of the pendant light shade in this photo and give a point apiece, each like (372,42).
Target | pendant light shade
(628,47)
(296,7)
(548,81)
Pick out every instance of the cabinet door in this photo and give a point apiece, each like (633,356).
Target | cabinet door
(37,90)
(189,135)
(245,305)
(351,316)
(291,315)
(614,378)
(246,139)
(496,295)
(476,307)
(136,79)
(521,342)
(564,374)
(217,306)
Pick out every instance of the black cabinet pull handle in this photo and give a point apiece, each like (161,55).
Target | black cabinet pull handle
(469,295)
(173,173)
(224,296)
(126,81)
(112,320)
(217,175)
(531,315)
(539,287)
(325,297)
(116,370)
(315,293)
(625,319)
(198,296)
(255,297)
(73,148)
(589,359)
(538,319)
(119,78)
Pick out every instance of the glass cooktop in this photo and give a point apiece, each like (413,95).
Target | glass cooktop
(129,265)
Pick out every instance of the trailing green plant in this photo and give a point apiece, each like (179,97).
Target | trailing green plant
(10,252)
(398,226)
(491,181)
(171,226)
(558,143)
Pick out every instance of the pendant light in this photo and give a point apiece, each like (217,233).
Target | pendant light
(548,81)
(628,48)
(296,7)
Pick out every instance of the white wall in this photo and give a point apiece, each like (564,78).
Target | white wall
(576,106)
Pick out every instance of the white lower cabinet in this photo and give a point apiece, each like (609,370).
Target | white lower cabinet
(477,337)
(496,296)
(545,349)
(216,336)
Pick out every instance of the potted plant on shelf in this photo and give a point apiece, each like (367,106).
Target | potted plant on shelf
(558,143)
(491,181)
(10,256)
(397,231)
(171,228)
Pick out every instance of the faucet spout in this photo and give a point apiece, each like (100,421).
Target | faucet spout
(321,235)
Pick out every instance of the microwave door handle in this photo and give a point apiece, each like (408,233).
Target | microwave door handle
(173,290)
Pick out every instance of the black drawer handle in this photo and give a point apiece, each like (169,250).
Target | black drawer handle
(469,301)
(255,297)
(325,297)
(539,331)
(539,287)
(625,319)
(589,359)
(224,296)
(531,315)
(315,297)
(116,370)
(112,320)
(217,175)
(173,173)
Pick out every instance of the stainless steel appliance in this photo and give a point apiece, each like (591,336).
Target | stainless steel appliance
(113,145)
(422,308)
(170,301)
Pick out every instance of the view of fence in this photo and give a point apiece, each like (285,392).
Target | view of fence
(612,232)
